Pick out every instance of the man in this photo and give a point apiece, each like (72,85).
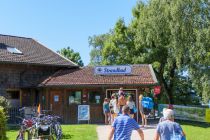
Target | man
(123,125)
(168,128)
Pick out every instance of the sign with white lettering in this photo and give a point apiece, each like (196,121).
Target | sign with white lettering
(112,70)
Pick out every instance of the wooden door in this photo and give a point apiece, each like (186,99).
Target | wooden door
(56,103)
(74,99)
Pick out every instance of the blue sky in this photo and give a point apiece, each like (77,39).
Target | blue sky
(61,23)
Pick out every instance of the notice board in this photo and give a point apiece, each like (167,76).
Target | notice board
(83,112)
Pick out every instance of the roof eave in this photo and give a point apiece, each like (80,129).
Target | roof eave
(96,85)
(37,64)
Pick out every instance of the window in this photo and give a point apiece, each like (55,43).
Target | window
(75,97)
(13,97)
(94,97)
(13,94)
(14,50)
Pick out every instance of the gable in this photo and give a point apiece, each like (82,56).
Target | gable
(23,50)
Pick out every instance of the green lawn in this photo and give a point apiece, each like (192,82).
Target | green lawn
(196,131)
(193,130)
(70,132)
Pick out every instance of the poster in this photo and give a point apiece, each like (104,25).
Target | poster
(83,112)
(56,98)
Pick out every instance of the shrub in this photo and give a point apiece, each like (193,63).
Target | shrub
(4,103)
(3,121)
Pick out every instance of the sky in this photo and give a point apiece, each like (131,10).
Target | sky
(58,24)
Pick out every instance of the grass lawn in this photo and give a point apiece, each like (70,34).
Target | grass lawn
(196,131)
(70,132)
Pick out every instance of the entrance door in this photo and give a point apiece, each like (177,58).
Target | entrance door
(74,99)
(131,92)
(56,101)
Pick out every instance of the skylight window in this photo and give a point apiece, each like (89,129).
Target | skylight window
(14,50)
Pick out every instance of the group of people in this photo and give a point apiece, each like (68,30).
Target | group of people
(167,129)
(123,123)
(112,108)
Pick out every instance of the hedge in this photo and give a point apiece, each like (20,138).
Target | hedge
(3,121)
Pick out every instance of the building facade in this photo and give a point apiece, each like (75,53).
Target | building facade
(31,74)
(24,64)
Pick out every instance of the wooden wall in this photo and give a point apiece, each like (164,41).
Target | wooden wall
(69,111)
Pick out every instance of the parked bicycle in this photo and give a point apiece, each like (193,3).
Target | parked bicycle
(26,127)
(41,127)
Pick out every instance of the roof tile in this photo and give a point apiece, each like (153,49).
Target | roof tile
(33,52)
(141,74)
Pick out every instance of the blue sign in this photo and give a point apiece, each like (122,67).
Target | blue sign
(112,70)
(83,112)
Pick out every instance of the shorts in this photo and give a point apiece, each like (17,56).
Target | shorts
(146,111)
(106,111)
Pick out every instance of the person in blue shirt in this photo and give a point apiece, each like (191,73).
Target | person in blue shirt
(123,125)
(168,129)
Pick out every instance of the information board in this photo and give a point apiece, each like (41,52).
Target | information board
(83,112)
(208,115)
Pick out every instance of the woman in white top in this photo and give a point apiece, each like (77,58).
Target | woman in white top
(131,105)
(113,107)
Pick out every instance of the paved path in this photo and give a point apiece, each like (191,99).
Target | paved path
(149,131)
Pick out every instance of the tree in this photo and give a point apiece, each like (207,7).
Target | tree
(171,35)
(71,55)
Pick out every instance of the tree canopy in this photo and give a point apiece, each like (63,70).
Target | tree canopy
(71,55)
(172,35)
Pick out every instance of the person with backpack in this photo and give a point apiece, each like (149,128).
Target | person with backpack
(145,106)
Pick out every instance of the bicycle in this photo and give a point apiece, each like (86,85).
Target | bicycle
(25,126)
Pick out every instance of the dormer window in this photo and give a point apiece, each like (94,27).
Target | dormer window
(14,50)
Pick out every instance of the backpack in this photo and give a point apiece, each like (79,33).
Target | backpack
(147,103)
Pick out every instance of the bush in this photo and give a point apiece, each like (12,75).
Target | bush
(4,103)
(3,121)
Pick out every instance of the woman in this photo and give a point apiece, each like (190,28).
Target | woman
(131,105)
(121,102)
(114,109)
(143,116)
(106,110)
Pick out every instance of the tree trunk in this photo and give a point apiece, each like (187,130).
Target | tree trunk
(168,88)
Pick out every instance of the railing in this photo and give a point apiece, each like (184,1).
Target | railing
(14,113)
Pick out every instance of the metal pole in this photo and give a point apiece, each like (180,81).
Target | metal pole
(137,105)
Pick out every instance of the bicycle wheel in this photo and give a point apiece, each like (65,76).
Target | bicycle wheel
(58,131)
(19,137)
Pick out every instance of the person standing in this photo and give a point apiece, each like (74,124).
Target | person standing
(121,92)
(131,105)
(143,116)
(123,125)
(106,110)
(121,102)
(114,109)
(168,129)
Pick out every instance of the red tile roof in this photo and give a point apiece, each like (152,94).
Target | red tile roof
(32,52)
(141,75)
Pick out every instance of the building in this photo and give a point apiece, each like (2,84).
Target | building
(25,63)
(33,74)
